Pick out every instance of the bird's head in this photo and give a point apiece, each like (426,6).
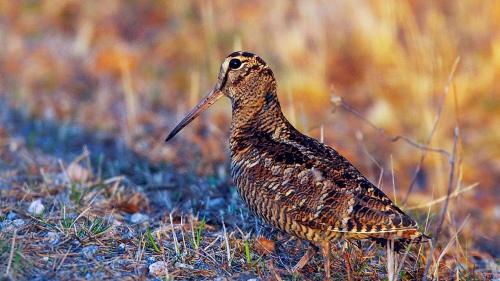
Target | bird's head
(243,77)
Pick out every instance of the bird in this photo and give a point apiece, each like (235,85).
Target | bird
(291,181)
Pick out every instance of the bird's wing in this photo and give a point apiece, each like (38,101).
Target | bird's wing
(347,201)
(316,186)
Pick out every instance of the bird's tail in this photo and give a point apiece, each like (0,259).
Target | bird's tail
(403,239)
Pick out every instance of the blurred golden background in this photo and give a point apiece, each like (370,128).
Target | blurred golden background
(134,68)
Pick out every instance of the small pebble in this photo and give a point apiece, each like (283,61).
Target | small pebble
(76,243)
(18,222)
(121,248)
(183,265)
(36,207)
(150,260)
(138,218)
(53,237)
(127,234)
(158,269)
(11,215)
(89,251)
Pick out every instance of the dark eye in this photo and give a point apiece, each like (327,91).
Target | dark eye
(234,64)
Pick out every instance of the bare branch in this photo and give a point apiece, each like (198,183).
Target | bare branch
(434,126)
(381,131)
(424,147)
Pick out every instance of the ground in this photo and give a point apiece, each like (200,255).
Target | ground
(110,213)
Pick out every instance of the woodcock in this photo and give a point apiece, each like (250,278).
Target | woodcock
(293,182)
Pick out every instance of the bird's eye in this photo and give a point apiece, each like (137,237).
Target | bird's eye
(234,64)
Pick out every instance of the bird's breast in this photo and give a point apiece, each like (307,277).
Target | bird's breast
(276,193)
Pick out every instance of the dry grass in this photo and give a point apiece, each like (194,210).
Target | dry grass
(88,91)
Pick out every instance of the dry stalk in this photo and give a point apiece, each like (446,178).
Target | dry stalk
(439,224)
(11,254)
(391,261)
(131,102)
(226,240)
(176,242)
(443,198)
(449,244)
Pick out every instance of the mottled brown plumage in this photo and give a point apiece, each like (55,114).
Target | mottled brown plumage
(292,181)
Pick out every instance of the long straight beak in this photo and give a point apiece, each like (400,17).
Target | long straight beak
(205,103)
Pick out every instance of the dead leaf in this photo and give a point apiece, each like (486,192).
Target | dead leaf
(264,246)
(133,204)
(77,173)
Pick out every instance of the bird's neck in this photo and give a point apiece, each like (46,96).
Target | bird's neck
(262,117)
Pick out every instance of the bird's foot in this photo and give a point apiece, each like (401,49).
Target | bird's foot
(311,251)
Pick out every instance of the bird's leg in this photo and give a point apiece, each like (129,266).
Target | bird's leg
(347,257)
(325,251)
(311,251)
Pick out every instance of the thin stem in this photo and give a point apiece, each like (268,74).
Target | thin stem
(439,225)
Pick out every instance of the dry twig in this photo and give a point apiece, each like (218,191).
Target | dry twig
(439,224)
(11,254)
(424,147)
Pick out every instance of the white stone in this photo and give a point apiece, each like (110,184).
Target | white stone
(36,207)
(183,265)
(159,269)
(53,237)
(138,218)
